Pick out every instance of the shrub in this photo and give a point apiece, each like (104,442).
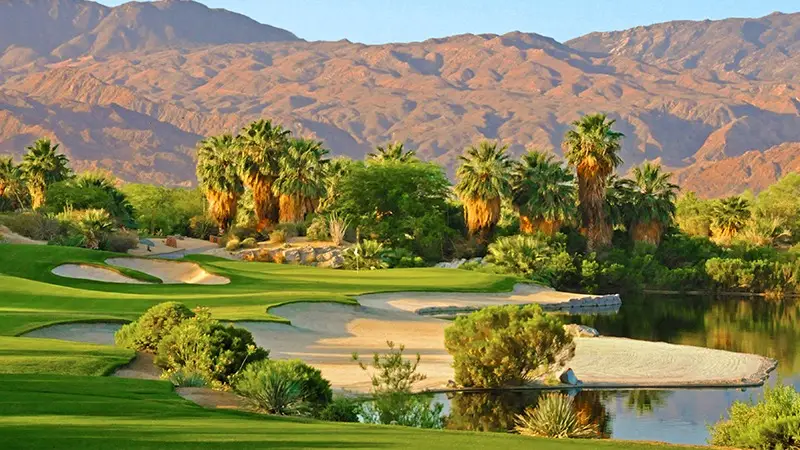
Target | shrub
(507,345)
(207,347)
(391,372)
(277,236)
(318,230)
(182,378)
(233,244)
(521,254)
(772,423)
(290,229)
(150,328)
(120,241)
(33,225)
(366,255)
(258,382)
(95,224)
(555,417)
(404,409)
(202,227)
(249,243)
(341,409)
(337,228)
(162,211)
(401,257)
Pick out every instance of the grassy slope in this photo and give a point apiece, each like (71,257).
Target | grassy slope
(100,413)
(31,296)
(37,356)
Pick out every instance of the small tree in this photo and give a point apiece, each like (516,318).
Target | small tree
(507,345)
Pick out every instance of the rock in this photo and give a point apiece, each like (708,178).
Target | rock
(291,255)
(575,330)
(568,377)
(171,241)
(451,384)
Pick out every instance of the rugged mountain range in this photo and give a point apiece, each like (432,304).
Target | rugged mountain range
(133,88)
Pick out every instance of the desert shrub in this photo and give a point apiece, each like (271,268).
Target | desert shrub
(233,244)
(508,345)
(366,255)
(555,417)
(205,346)
(342,409)
(267,384)
(290,229)
(202,227)
(145,333)
(771,423)
(318,230)
(182,378)
(400,257)
(119,241)
(33,225)
(278,236)
(249,243)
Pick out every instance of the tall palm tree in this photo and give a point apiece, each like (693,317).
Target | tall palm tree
(301,179)
(543,192)
(592,147)
(653,198)
(8,173)
(42,166)
(392,152)
(260,145)
(729,216)
(219,178)
(483,181)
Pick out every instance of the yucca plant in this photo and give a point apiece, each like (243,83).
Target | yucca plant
(273,391)
(338,228)
(521,254)
(555,417)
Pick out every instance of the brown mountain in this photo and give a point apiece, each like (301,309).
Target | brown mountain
(138,106)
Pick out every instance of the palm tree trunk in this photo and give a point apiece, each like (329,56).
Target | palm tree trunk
(649,232)
(265,204)
(291,208)
(2,189)
(482,216)
(591,194)
(37,196)
(222,208)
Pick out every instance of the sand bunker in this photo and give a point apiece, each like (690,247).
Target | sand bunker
(92,333)
(95,273)
(170,272)
(190,245)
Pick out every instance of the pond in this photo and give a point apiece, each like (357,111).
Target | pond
(752,325)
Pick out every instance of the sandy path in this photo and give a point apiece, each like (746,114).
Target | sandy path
(170,272)
(88,272)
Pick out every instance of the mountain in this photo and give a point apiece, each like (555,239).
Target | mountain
(138,105)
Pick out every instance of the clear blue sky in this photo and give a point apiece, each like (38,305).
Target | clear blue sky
(380,21)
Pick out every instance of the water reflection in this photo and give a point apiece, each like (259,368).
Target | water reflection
(751,325)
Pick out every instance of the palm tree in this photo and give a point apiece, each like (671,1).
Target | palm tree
(42,166)
(335,170)
(392,152)
(260,146)
(543,192)
(729,216)
(653,202)
(119,208)
(483,181)
(8,173)
(219,179)
(592,147)
(301,180)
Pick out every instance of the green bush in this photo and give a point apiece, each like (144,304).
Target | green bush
(209,348)
(366,255)
(33,225)
(119,241)
(278,236)
(537,256)
(408,410)
(91,190)
(290,230)
(555,417)
(146,332)
(342,409)
(401,257)
(182,378)
(162,211)
(318,230)
(508,345)
(281,387)
(249,243)
(772,423)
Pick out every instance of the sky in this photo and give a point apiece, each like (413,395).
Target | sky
(382,21)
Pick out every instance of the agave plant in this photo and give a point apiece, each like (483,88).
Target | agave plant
(555,417)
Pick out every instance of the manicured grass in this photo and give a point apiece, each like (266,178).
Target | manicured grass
(31,296)
(50,356)
(55,412)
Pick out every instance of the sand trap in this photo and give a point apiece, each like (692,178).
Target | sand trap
(94,273)
(170,272)
(9,237)
(188,244)
(92,333)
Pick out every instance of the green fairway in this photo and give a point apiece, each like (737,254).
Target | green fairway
(33,297)
(100,413)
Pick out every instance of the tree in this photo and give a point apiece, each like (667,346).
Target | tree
(335,170)
(728,216)
(653,202)
(392,152)
(8,173)
(218,177)
(483,181)
(260,146)
(301,179)
(12,190)
(592,147)
(543,192)
(42,166)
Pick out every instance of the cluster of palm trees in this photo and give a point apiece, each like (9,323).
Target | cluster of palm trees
(41,166)
(286,175)
(544,192)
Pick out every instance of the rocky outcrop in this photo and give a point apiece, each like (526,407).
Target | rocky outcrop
(456,263)
(576,330)
(329,257)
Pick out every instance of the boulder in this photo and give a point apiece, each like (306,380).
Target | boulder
(568,377)
(292,255)
(575,330)
(171,241)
